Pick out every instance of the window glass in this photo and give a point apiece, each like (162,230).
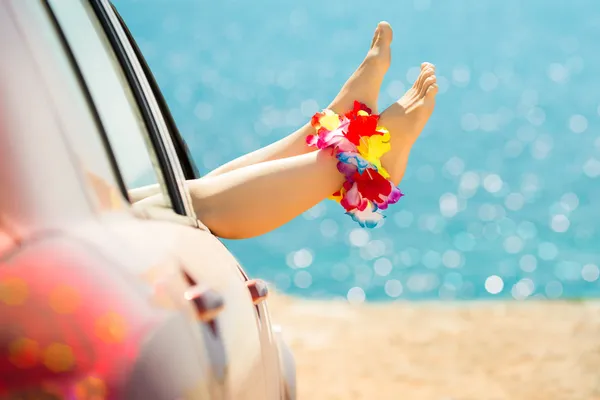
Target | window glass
(111,94)
(91,154)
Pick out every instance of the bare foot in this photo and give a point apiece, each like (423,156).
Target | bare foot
(406,118)
(364,85)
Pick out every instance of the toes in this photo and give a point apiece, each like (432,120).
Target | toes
(431,91)
(380,52)
(428,71)
(384,34)
(375,36)
(429,82)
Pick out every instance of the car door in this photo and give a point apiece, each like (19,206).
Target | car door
(204,260)
(259,288)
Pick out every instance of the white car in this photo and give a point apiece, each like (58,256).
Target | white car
(101,296)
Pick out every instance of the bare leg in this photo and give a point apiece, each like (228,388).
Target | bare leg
(364,85)
(256,199)
(141,193)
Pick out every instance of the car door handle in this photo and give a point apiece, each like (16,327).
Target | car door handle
(259,290)
(207,302)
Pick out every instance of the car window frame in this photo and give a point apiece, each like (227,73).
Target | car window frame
(169,167)
(144,107)
(189,167)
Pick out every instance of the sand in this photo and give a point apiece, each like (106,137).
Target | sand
(443,351)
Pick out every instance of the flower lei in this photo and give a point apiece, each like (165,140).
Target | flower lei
(358,143)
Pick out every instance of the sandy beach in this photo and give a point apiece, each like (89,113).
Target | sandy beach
(443,351)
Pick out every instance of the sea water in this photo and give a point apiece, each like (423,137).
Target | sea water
(503,187)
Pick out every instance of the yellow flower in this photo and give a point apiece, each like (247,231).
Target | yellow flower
(337,196)
(329,120)
(372,148)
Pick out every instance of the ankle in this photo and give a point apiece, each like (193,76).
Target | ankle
(396,160)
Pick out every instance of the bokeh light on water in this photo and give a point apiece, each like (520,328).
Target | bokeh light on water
(503,188)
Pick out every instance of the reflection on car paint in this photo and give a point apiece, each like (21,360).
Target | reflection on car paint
(108,195)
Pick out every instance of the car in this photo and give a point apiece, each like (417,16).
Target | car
(103,296)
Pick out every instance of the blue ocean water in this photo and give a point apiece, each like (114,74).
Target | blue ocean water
(502,191)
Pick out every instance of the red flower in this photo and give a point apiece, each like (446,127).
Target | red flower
(364,189)
(362,125)
(371,185)
(314,121)
(358,106)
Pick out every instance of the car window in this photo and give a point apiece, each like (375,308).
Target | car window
(72,103)
(109,89)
